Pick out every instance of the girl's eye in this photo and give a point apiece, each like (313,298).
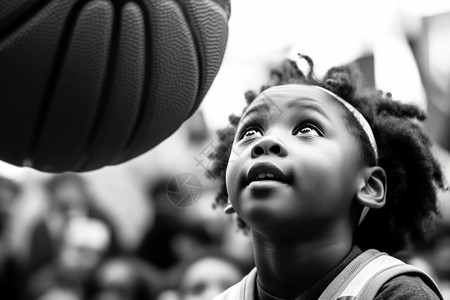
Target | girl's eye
(250,132)
(308,130)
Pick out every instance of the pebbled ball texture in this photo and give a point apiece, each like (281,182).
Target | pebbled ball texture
(86,84)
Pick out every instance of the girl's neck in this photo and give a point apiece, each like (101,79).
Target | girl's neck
(289,269)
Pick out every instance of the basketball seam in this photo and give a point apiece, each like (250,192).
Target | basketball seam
(199,51)
(61,52)
(106,89)
(148,75)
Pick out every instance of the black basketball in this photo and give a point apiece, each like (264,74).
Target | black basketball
(85,84)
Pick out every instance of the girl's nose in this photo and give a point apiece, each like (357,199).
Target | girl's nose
(268,145)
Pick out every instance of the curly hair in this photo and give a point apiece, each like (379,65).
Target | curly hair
(413,173)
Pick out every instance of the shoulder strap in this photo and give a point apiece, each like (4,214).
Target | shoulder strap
(370,289)
(380,269)
(335,288)
(374,267)
(248,289)
(365,275)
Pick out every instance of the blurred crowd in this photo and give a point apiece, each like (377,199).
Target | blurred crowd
(73,250)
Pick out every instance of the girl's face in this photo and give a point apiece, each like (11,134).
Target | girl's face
(294,164)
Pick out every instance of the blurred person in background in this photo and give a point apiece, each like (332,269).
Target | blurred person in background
(11,273)
(173,234)
(207,276)
(68,197)
(124,278)
(83,247)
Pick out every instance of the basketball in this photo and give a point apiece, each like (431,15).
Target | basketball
(87,84)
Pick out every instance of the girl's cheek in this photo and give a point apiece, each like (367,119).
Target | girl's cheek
(235,162)
(228,173)
(231,174)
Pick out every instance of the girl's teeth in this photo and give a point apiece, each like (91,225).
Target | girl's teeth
(266,175)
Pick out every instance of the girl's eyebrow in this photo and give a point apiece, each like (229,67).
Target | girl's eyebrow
(307,104)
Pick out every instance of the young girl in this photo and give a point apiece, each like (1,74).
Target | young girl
(320,171)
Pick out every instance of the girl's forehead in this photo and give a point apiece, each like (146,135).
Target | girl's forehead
(277,98)
(295,91)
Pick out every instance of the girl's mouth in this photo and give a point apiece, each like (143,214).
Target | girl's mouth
(265,172)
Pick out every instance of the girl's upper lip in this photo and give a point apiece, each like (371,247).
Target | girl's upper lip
(265,167)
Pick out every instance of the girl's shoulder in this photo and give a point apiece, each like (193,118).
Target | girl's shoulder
(377,275)
(407,286)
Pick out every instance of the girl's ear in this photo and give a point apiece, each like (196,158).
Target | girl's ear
(372,192)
